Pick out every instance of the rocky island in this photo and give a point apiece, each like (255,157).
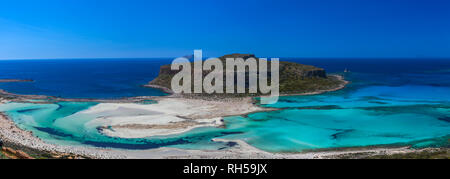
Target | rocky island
(294,78)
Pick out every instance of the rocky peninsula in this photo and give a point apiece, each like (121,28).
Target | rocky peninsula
(13,80)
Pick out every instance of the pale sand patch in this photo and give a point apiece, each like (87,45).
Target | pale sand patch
(168,116)
(142,131)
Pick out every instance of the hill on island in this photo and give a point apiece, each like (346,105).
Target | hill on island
(294,78)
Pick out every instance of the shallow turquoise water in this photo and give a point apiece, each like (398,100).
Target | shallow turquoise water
(379,108)
(298,129)
(346,118)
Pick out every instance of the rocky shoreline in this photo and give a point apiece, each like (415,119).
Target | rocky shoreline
(163,89)
(14,80)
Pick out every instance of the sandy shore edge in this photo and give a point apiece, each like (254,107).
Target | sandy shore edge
(13,135)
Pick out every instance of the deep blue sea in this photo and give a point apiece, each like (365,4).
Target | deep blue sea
(82,78)
(389,102)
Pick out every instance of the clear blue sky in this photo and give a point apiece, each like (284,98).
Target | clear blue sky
(172,28)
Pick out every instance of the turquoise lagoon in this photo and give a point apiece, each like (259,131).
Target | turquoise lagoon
(408,106)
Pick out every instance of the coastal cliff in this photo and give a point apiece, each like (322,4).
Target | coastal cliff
(294,77)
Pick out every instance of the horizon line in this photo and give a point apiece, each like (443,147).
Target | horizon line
(106,58)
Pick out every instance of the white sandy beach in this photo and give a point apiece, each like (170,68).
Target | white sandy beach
(168,116)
